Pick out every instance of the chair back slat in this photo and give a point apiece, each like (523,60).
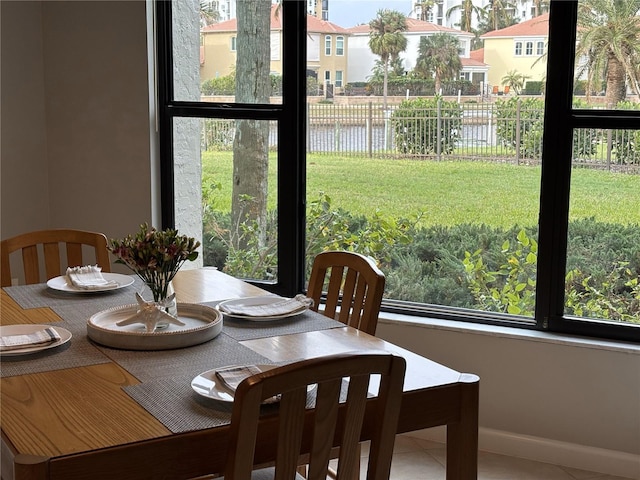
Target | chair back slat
(51,259)
(52,263)
(74,254)
(329,416)
(354,287)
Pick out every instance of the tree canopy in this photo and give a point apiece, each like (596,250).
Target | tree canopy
(386,39)
(438,56)
(608,48)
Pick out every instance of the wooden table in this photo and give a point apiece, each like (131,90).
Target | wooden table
(77,423)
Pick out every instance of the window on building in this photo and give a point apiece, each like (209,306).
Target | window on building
(540,48)
(506,241)
(233,44)
(338,78)
(340,45)
(529,49)
(327,45)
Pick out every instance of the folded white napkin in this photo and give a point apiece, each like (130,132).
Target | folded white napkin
(89,277)
(233,376)
(40,337)
(287,305)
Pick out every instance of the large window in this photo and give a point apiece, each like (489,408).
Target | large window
(519,211)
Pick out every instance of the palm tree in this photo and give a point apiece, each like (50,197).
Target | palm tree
(438,56)
(467,11)
(208,14)
(425,7)
(540,7)
(515,80)
(387,40)
(500,14)
(608,48)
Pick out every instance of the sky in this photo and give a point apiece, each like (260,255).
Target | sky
(348,13)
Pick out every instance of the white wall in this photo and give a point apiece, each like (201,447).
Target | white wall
(568,401)
(75,140)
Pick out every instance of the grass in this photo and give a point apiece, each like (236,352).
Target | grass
(446,193)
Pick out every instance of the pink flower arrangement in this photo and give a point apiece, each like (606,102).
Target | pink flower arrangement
(155,256)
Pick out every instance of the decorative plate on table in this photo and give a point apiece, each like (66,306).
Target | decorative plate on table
(256,302)
(63,285)
(208,384)
(201,324)
(65,336)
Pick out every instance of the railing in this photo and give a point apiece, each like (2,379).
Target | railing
(478,133)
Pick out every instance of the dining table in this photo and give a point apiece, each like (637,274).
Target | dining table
(84,410)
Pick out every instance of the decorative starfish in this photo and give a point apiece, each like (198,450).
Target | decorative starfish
(149,314)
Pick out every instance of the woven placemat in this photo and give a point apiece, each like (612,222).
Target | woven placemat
(184,363)
(308,321)
(174,404)
(77,352)
(178,407)
(39,295)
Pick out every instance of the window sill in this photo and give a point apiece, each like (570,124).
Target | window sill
(508,332)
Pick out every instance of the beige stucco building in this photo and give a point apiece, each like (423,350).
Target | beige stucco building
(521,47)
(327,47)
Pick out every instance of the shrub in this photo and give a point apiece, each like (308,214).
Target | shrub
(427,125)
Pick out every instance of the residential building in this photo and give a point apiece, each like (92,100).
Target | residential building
(523,10)
(362,61)
(327,50)
(521,47)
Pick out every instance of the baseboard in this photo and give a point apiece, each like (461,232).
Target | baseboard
(572,455)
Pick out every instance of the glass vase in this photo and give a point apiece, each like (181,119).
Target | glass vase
(165,299)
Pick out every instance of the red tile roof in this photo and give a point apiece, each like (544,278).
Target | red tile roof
(477,55)
(314,24)
(536,27)
(472,62)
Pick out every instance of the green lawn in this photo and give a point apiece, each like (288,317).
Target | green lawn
(446,193)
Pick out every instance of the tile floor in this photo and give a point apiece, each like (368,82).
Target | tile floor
(417,459)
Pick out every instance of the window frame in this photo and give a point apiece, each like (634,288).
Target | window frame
(518,48)
(290,115)
(327,45)
(339,78)
(528,48)
(340,46)
(559,122)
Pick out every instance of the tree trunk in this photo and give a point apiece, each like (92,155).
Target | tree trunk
(616,84)
(251,142)
(385,78)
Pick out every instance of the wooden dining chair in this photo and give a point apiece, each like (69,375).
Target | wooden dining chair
(48,242)
(334,421)
(354,286)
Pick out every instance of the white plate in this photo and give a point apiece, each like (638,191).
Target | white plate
(65,336)
(60,283)
(253,301)
(208,384)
